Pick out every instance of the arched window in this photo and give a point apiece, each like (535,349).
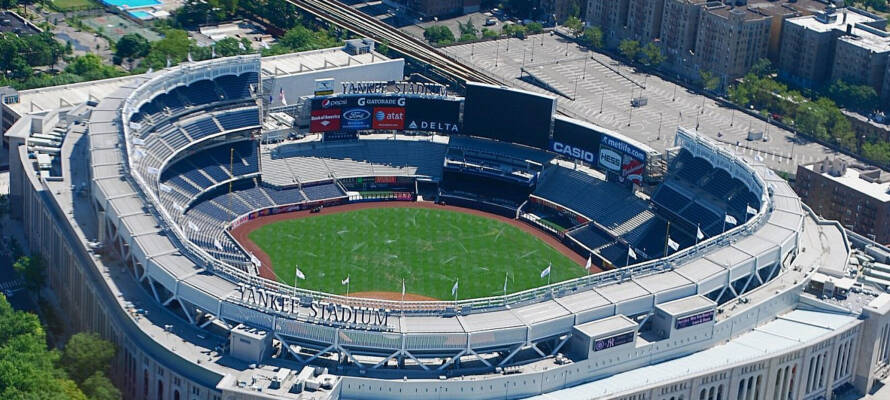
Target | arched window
(160,390)
(176,394)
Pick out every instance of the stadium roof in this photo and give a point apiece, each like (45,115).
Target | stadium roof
(784,334)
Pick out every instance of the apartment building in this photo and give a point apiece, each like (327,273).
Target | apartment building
(856,196)
(860,56)
(611,17)
(644,19)
(808,44)
(730,40)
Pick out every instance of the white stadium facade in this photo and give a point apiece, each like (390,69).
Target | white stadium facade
(128,188)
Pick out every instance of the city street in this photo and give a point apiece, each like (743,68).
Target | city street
(603,89)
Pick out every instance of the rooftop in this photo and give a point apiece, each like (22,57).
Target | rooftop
(12,22)
(836,21)
(782,335)
(852,177)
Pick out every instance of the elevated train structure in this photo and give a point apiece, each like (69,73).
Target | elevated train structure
(142,254)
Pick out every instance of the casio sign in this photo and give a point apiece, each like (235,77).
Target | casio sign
(575,152)
(610,159)
(356,114)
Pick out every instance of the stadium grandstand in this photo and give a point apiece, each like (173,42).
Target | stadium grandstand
(717,282)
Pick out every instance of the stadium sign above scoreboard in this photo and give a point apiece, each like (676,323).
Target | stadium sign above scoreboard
(321,312)
(409,88)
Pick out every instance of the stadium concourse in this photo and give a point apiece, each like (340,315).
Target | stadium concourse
(718,284)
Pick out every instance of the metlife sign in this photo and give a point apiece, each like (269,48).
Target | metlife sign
(624,147)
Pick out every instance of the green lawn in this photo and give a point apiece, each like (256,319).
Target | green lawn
(430,249)
(72,5)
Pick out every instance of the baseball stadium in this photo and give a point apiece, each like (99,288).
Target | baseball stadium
(326,225)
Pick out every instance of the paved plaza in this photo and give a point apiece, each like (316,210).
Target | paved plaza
(603,92)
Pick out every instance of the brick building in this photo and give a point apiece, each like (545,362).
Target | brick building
(857,197)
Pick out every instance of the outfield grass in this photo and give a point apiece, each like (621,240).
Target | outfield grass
(430,249)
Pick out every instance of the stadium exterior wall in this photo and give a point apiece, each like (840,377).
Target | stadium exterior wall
(79,280)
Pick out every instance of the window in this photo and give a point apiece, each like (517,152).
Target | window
(160,390)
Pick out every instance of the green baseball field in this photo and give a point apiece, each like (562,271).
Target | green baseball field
(430,249)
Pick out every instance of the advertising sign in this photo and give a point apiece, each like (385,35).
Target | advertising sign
(324,87)
(389,118)
(696,319)
(612,341)
(325,120)
(618,155)
(576,139)
(355,119)
(433,115)
(610,159)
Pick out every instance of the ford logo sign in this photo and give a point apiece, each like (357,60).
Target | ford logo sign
(356,114)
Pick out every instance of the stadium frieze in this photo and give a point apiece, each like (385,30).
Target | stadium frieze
(335,314)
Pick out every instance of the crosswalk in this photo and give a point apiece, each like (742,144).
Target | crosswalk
(600,90)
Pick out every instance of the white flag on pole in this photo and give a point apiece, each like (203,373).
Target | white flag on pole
(345,281)
(672,244)
(752,210)
(190,57)
(631,253)
(403,288)
(217,244)
(454,288)
(546,271)
(589,262)
(505,283)
(241,46)
(730,219)
(192,226)
(699,235)
(281,96)
(299,273)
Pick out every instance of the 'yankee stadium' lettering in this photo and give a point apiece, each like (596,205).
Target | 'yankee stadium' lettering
(332,313)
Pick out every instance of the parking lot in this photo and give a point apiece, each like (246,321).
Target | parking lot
(602,89)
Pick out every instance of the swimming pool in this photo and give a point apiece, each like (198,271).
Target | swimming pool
(139,14)
(132,3)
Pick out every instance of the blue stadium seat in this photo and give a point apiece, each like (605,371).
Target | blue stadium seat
(239,119)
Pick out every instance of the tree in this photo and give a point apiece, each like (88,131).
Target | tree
(489,34)
(762,68)
(534,28)
(91,67)
(467,28)
(32,269)
(99,387)
(708,80)
(514,30)
(574,24)
(174,46)
(652,54)
(592,37)
(232,47)
(630,49)
(7,4)
(85,354)
(131,45)
(27,369)
(862,98)
(439,34)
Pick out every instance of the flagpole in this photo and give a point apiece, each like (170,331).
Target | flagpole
(457,287)
(348,282)
(296,268)
(667,237)
(724,223)
(505,284)
(697,230)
